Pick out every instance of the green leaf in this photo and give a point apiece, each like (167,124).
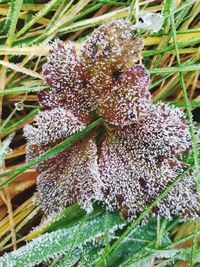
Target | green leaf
(50,245)
(71,216)
(66,218)
(135,244)
(139,238)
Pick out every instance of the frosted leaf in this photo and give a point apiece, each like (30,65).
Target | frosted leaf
(72,176)
(128,100)
(131,183)
(182,200)
(95,79)
(64,74)
(63,69)
(69,176)
(111,49)
(129,172)
(52,125)
(149,21)
(145,152)
(121,191)
(164,132)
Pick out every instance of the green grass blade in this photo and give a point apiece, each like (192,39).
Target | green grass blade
(23,90)
(188,108)
(175,69)
(14,126)
(14,18)
(193,104)
(166,91)
(193,137)
(52,4)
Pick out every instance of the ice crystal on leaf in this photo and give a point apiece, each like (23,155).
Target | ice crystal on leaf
(135,174)
(103,70)
(61,182)
(71,176)
(111,49)
(137,155)
(162,133)
(128,100)
(63,72)
(51,125)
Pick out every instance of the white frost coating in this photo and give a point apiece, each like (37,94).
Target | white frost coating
(129,100)
(64,74)
(131,183)
(51,125)
(140,163)
(112,48)
(163,132)
(69,177)
(149,21)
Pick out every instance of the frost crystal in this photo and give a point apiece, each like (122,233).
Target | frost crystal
(128,100)
(131,183)
(51,125)
(135,157)
(71,176)
(110,50)
(140,163)
(162,133)
(85,81)
(63,72)
(61,180)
